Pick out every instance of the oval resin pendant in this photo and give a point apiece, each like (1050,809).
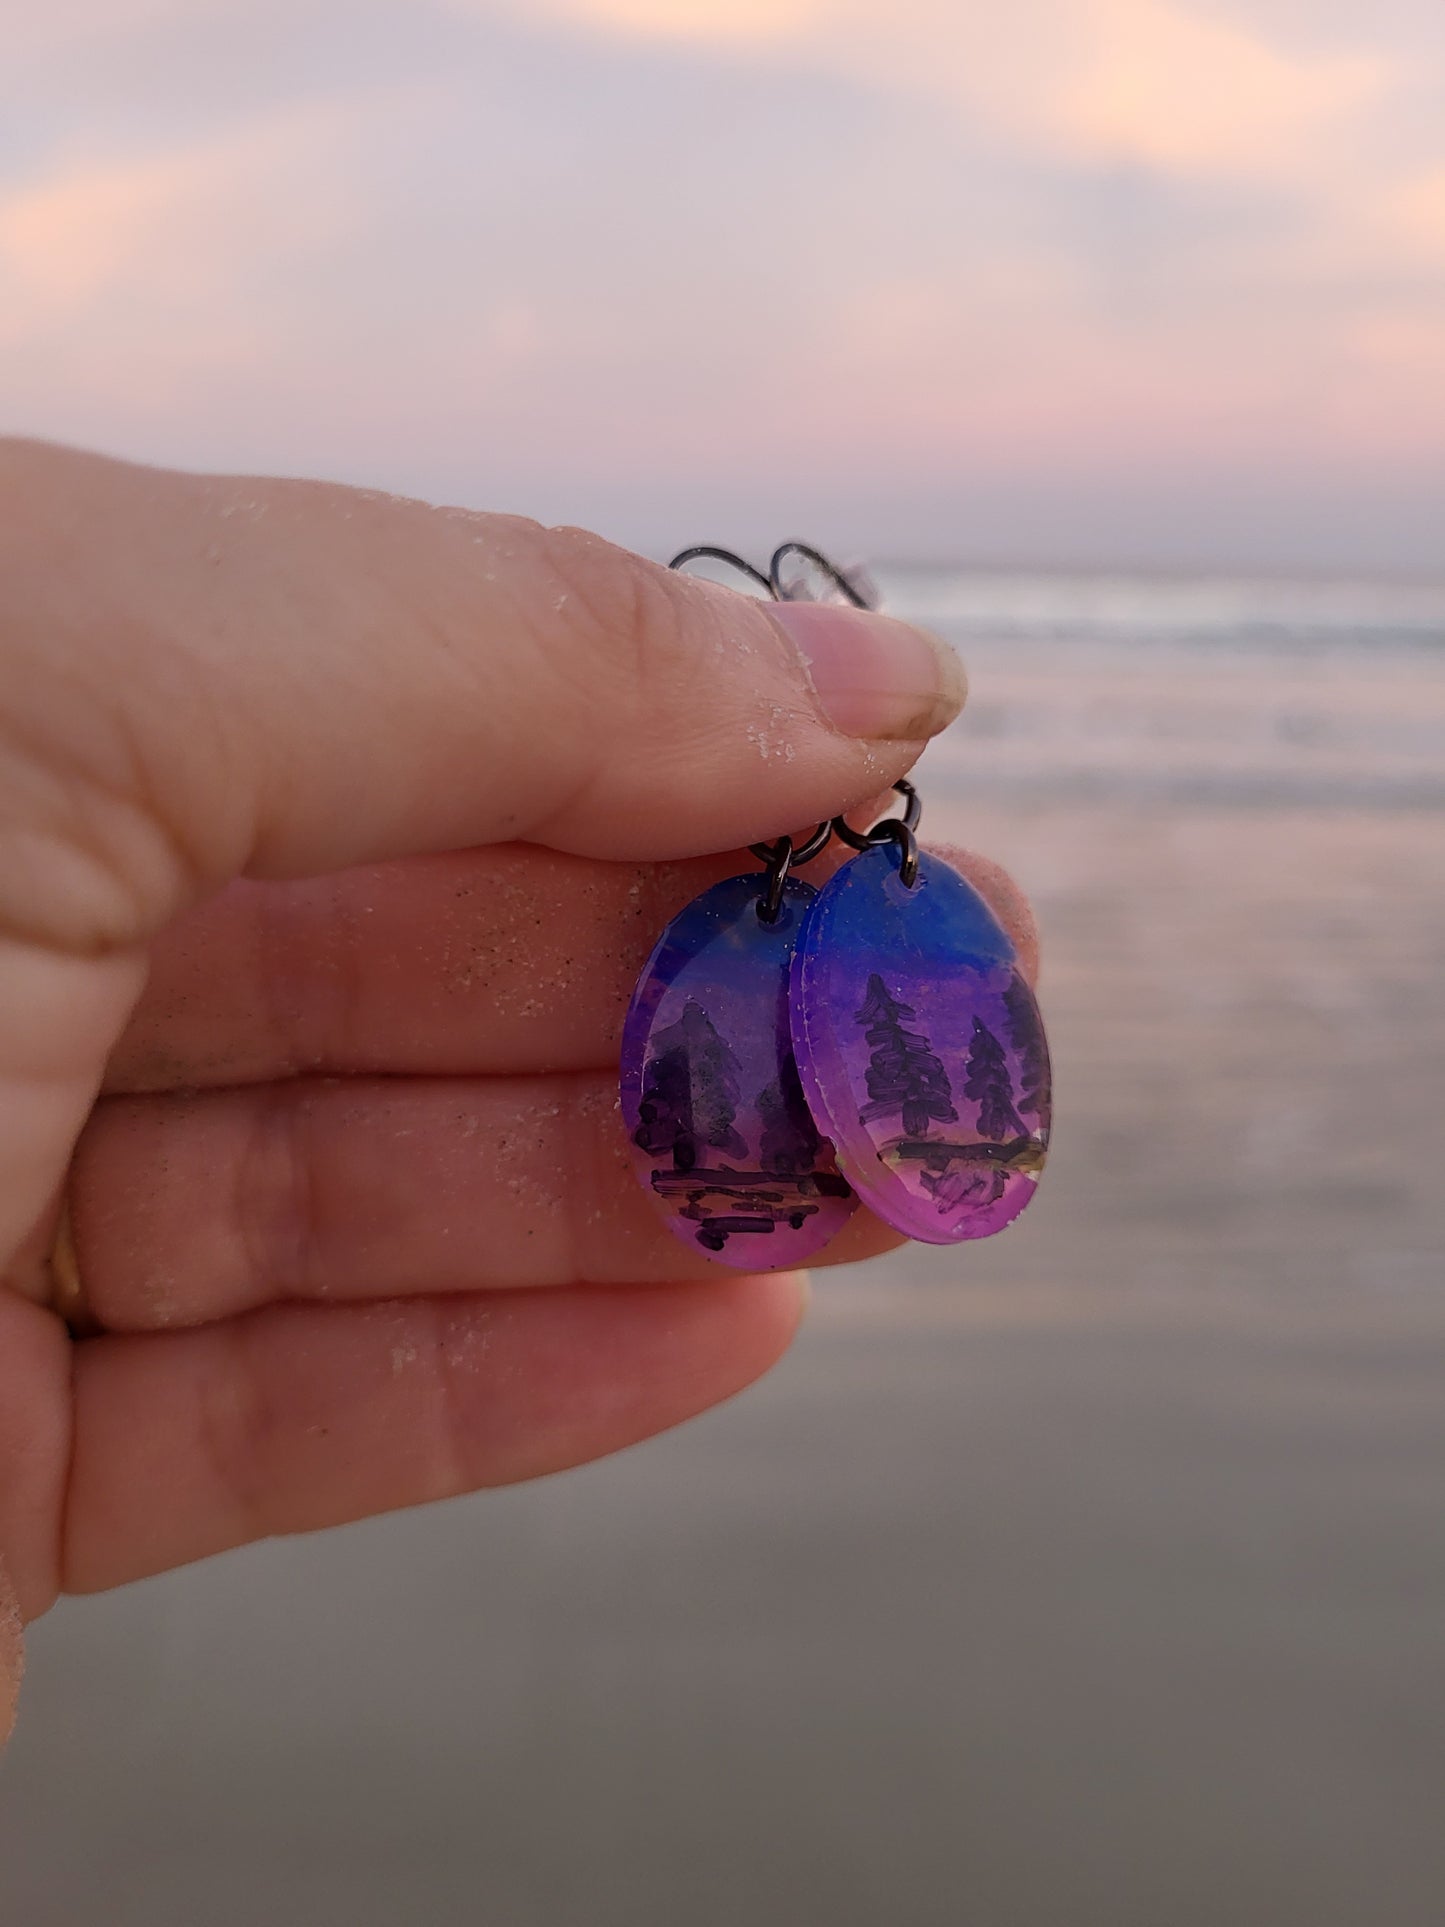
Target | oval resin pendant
(721,1134)
(920,1048)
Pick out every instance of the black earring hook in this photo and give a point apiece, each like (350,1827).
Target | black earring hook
(772,582)
(820,562)
(705,552)
(782,857)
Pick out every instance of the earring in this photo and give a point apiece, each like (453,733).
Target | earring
(722,1134)
(919,1046)
(788,1050)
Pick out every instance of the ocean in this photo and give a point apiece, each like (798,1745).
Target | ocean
(1090,1577)
(1191,690)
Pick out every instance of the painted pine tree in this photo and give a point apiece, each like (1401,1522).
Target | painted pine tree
(987,1082)
(903,1073)
(790,1146)
(689,1093)
(1026,1034)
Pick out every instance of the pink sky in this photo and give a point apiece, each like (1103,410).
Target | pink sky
(1098,280)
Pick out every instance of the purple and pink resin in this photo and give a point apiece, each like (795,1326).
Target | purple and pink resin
(721,1134)
(875,1040)
(920,1048)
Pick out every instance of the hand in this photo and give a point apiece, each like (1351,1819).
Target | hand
(333,831)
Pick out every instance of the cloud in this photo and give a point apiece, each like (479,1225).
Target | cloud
(1144,81)
(668,246)
(1180,90)
(62,25)
(1415,211)
(168,222)
(748,21)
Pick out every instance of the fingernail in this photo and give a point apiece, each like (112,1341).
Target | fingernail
(874,676)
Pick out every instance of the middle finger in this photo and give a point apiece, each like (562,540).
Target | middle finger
(190,1208)
(506,960)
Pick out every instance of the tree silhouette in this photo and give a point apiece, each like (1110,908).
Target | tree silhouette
(689,1093)
(1027,1037)
(790,1143)
(986,1081)
(903,1073)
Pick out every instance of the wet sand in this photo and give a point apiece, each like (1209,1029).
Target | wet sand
(1091,1578)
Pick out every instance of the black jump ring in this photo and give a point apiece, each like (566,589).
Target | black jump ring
(880,833)
(895,830)
(801,853)
(782,858)
(891,829)
(771,901)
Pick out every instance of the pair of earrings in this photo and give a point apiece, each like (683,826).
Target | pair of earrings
(789,1052)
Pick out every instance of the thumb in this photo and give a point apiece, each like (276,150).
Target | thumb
(208,677)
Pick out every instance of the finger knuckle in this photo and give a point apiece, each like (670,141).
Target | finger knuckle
(621,617)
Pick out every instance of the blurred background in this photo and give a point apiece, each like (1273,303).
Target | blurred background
(1093,1575)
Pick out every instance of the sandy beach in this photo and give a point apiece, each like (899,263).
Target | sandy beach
(1091,1577)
